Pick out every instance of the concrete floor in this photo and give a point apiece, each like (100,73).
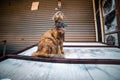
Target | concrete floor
(15,69)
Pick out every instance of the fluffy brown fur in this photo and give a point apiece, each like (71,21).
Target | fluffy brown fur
(51,42)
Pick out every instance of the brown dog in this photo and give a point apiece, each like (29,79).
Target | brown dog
(51,42)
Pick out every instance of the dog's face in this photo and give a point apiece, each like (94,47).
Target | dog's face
(58,16)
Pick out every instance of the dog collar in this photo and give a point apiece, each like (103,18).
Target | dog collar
(60,24)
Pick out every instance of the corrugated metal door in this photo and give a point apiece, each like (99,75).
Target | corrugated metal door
(79,16)
(22,27)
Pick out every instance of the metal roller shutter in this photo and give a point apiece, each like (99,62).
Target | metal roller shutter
(80,19)
(22,27)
